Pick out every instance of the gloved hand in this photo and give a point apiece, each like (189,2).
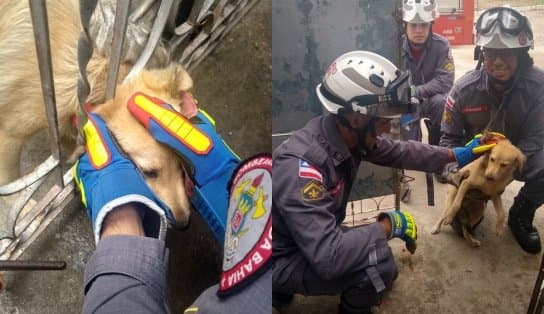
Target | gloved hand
(403,226)
(477,146)
(406,120)
(209,160)
(413,91)
(107,179)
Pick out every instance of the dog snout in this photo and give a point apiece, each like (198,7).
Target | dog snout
(182,223)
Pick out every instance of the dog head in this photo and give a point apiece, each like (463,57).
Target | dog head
(162,167)
(501,162)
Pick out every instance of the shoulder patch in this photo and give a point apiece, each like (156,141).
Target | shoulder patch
(447,118)
(305,170)
(449,67)
(313,191)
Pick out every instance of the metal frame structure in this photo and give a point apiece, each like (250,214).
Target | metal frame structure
(208,22)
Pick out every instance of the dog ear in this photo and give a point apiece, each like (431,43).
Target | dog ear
(172,79)
(485,159)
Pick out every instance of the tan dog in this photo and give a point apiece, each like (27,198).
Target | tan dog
(23,114)
(484,179)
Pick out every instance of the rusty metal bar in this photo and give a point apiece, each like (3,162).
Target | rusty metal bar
(241,10)
(39,172)
(536,297)
(15,213)
(32,265)
(43,212)
(154,37)
(38,13)
(140,11)
(118,39)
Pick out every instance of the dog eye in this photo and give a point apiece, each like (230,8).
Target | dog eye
(492,159)
(151,174)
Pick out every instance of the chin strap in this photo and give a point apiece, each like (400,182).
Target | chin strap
(361,132)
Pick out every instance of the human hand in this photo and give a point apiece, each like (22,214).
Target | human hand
(403,226)
(209,160)
(108,180)
(480,144)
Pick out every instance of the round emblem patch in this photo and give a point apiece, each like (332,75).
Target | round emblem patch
(248,236)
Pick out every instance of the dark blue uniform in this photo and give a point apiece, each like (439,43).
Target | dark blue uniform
(472,107)
(313,254)
(433,75)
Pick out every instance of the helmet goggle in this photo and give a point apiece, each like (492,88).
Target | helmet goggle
(395,101)
(509,20)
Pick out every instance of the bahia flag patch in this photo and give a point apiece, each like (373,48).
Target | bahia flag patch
(450,102)
(305,170)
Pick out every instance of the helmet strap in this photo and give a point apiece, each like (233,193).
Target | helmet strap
(479,56)
(368,129)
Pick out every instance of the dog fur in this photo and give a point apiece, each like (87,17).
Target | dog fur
(484,179)
(23,113)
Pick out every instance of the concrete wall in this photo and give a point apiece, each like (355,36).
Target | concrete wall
(306,36)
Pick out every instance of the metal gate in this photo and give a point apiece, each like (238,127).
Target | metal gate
(37,198)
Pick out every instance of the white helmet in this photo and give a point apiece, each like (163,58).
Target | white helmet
(419,11)
(503,28)
(365,82)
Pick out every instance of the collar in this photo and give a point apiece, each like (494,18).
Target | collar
(483,84)
(406,46)
(338,149)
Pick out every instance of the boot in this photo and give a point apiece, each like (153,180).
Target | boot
(520,220)
(434,133)
(343,309)
(281,300)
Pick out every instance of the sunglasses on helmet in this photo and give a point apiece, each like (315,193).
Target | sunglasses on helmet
(510,21)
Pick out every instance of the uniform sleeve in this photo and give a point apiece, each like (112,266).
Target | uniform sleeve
(453,121)
(306,208)
(443,75)
(127,274)
(411,155)
(532,133)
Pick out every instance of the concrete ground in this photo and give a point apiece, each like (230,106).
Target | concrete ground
(445,275)
(234,85)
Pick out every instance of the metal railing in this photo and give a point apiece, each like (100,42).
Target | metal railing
(28,214)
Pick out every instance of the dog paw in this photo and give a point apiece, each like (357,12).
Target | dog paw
(436,229)
(447,221)
(475,243)
(500,230)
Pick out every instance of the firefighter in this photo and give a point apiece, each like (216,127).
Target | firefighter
(427,56)
(313,172)
(505,95)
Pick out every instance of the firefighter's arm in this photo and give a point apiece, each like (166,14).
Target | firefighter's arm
(209,160)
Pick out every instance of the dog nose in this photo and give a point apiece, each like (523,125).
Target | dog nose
(489,177)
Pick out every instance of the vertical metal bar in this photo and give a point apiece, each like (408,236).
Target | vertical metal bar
(537,290)
(38,13)
(153,39)
(118,38)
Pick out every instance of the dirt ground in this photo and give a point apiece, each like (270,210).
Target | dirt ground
(234,85)
(446,275)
